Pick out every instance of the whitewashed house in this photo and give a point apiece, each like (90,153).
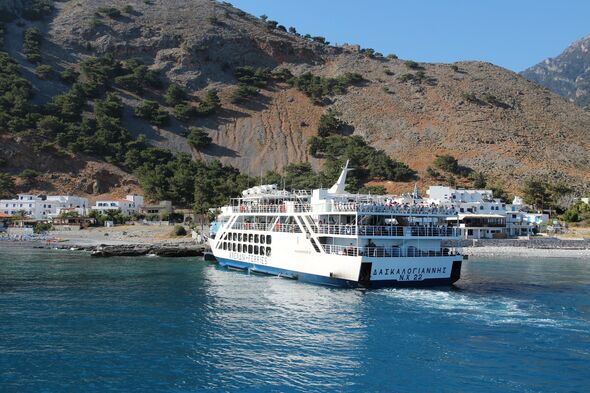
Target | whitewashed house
(128,206)
(41,207)
(480,215)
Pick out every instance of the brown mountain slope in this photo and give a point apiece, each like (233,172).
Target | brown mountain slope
(492,119)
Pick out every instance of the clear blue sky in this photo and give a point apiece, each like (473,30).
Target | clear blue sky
(511,33)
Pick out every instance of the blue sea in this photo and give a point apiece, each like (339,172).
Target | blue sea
(71,323)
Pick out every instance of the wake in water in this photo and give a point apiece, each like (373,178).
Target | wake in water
(489,309)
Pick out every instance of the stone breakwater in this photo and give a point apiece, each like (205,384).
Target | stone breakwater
(135,250)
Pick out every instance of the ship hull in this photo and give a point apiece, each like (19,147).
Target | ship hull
(340,282)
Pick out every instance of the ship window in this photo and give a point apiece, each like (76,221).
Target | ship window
(262,250)
(224,245)
(262,239)
(268,239)
(256,238)
(251,238)
(235,236)
(239,247)
(233,246)
(249,249)
(239,236)
(268,251)
(256,250)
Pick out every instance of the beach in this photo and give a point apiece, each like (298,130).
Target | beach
(508,252)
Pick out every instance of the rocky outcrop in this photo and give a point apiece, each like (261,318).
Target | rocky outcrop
(567,74)
(134,250)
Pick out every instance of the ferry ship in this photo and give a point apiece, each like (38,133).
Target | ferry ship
(331,237)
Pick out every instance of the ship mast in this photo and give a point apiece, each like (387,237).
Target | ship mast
(340,185)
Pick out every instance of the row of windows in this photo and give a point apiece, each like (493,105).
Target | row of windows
(246,248)
(248,238)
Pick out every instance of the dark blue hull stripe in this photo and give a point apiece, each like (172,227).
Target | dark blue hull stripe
(323,280)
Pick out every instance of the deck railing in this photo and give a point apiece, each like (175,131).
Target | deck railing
(387,252)
(378,231)
(385,208)
(341,207)
(245,226)
(353,230)
(297,208)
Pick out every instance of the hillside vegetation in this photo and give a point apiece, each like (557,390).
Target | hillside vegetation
(178,97)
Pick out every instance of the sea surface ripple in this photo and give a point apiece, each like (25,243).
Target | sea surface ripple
(70,323)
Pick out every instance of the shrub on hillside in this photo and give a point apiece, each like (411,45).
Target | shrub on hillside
(242,93)
(69,75)
(38,9)
(412,65)
(447,163)
(32,45)
(44,71)
(29,176)
(152,112)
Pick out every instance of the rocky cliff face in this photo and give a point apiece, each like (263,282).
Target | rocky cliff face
(567,74)
(493,120)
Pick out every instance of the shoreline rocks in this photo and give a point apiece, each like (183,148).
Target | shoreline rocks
(136,250)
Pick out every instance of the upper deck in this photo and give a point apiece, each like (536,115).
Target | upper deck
(269,200)
(337,207)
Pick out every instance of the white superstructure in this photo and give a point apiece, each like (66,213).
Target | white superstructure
(332,237)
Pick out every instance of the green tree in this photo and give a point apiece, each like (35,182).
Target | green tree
(151,111)
(44,71)
(69,75)
(580,211)
(174,95)
(329,123)
(32,45)
(29,176)
(537,192)
(49,125)
(447,163)
(499,192)
(184,112)
(198,138)
(38,9)
(300,176)
(478,179)
(242,93)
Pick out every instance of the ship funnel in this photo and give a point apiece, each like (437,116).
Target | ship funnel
(340,185)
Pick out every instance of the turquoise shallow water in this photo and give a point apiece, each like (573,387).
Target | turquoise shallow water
(69,323)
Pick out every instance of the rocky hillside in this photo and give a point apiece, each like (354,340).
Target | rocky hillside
(567,74)
(493,120)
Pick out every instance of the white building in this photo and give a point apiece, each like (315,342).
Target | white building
(128,206)
(480,215)
(41,207)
